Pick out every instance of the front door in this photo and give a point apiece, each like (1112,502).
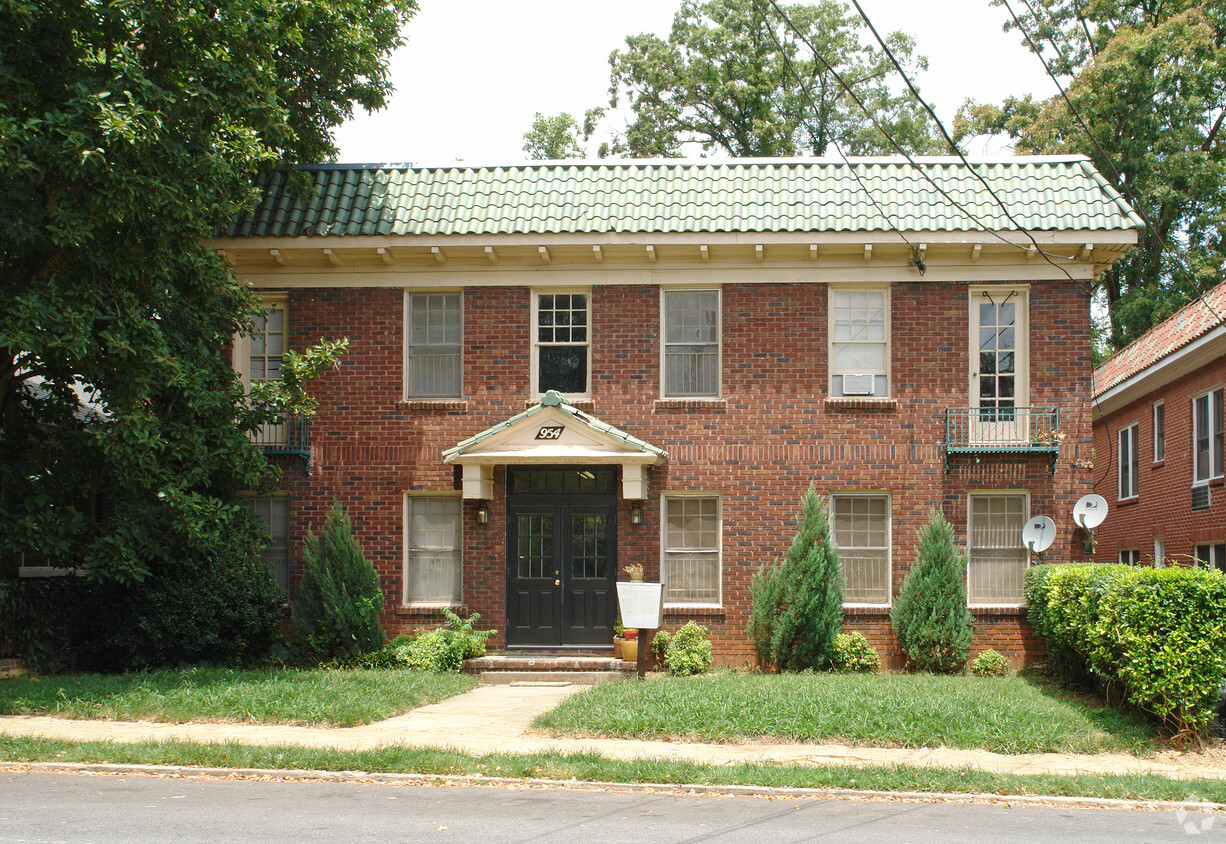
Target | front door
(561,569)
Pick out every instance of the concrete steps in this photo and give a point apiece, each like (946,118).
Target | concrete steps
(547,669)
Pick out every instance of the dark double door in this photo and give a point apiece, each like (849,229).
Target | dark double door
(561,570)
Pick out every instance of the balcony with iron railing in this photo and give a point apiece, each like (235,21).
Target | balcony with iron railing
(1002,430)
(288,435)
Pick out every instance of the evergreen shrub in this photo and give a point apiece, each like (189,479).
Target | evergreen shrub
(930,618)
(339,600)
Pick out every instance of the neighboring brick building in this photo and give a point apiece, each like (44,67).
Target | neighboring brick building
(726,333)
(1158,441)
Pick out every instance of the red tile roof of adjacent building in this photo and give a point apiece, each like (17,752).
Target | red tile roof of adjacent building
(1192,321)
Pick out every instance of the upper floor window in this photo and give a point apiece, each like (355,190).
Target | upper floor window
(258,355)
(1207,436)
(563,337)
(1129,461)
(434,340)
(432,570)
(691,567)
(999,351)
(859,342)
(691,343)
(861,527)
(996,565)
(1159,432)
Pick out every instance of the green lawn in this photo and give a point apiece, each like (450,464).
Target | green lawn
(590,767)
(1002,714)
(275,696)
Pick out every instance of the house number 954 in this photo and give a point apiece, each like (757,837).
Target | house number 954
(550,432)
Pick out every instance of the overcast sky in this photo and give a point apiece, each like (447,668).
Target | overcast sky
(474,72)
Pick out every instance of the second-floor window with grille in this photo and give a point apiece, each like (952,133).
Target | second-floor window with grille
(859,342)
(563,336)
(434,346)
(691,343)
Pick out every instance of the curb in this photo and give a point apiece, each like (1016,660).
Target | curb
(189,772)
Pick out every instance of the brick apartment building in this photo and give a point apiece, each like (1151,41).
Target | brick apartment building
(1158,442)
(559,369)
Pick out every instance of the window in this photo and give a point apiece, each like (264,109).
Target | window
(1130,557)
(691,343)
(1211,555)
(273,511)
(561,348)
(862,533)
(859,342)
(691,550)
(1128,461)
(432,550)
(1159,432)
(434,346)
(999,352)
(1207,436)
(1159,551)
(998,559)
(266,344)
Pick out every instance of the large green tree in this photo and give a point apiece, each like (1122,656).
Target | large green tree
(1147,86)
(129,135)
(552,136)
(733,76)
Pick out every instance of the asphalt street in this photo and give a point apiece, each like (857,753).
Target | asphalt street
(55,807)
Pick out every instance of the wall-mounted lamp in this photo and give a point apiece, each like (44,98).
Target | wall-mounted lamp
(636,516)
(483,515)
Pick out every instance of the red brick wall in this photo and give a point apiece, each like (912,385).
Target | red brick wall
(1163,505)
(772,435)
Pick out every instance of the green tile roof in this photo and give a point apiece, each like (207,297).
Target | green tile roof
(758,195)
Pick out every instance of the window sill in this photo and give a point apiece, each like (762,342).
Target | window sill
(713,404)
(999,609)
(429,610)
(433,405)
(1124,502)
(879,405)
(684,611)
(866,609)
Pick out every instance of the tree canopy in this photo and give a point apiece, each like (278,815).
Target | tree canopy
(734,77)
(129,135)
(552,137)
(1147,86)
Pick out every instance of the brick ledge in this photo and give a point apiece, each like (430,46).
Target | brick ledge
(433,405)
(691,404)
(845,403)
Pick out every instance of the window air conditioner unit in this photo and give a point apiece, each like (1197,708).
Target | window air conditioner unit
(857,385)
(1200,497)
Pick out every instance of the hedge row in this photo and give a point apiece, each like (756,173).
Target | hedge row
(1159,633)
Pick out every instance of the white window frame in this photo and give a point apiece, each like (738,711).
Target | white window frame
(536,342)
(1020,297)
(665,293)
(881,387)
(1129,462)
(283,500)
(242,346)
(1129,557)
(970,547)
(717,552)
(423,497)
(409,393)
(1159,420)
(1159,551)
(1210,554)
(1213,437)
(838,497)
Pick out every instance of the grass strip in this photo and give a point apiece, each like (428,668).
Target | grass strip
(1001,714)
(590,767)
(309,697)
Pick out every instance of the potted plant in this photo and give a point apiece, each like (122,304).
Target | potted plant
(625,642)
(635,570)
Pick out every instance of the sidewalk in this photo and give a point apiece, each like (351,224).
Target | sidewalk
(498,718)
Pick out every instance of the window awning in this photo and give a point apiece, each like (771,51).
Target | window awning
(555,432)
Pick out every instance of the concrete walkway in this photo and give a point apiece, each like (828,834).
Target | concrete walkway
(498,718)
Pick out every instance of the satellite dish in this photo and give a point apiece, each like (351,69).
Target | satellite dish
(1090,511)
(1039,534)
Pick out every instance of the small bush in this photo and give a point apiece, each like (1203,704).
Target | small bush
(687,651)
(337,611)
(798,602)
(990,664)
(930,618)
(659,644)
(1158,634)
(445,648)
(854,654)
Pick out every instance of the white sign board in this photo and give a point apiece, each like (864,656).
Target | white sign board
(642,604)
